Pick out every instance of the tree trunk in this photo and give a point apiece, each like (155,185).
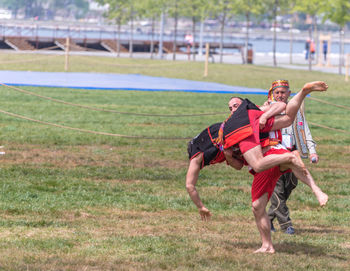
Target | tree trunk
(152,37)
(341,50)
(194,37)
(310,39)
(200,47)
(274,33)
(115,41)
(175,31)
(131,34)
(160,47)
(222,35)
(314,20)
(291,41)
(118,44)
(28,10)
(222,41)
(247,16)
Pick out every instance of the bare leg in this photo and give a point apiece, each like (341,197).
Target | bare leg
(299,162)
(260,163)
(294,104)
(263,224)
(309,181)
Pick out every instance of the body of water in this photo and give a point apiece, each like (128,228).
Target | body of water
(260,45)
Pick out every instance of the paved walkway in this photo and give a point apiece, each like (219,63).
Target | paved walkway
(262,59)
(266,59)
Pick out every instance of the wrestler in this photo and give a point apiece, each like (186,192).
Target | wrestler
(205,149)
(262,189)
(247,120)
(265,182)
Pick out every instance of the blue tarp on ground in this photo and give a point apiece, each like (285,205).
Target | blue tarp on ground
(108,81)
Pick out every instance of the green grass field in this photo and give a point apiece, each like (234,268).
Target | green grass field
(78,201)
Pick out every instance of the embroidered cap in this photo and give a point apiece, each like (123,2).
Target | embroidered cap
(277,84)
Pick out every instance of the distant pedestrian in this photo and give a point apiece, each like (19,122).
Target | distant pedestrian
(312,49)
(307,49)
(325,50)
(189,39)
(189,44)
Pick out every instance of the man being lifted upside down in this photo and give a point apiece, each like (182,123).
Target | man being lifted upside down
(207,148)
(242,127)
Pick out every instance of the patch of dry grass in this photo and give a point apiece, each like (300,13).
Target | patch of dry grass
(75,156)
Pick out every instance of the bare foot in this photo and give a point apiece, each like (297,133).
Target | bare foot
(265,250)
(315,86)
(298,162)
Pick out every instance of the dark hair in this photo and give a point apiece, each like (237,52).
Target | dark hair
(234,97)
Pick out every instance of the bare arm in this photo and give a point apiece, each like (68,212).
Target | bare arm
(233,162)
(194,195)
(270,110)
(191,180)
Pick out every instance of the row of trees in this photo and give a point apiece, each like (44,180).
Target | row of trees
(122,11)
(47,8)
(127,11)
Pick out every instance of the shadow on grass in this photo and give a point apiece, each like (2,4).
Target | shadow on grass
(320,230)
(306,249)
(292,248)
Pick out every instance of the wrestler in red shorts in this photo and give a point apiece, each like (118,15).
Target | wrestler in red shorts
(265,181)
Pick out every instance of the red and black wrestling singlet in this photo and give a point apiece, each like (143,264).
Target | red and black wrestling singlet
(204,144)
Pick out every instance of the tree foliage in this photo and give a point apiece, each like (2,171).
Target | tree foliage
(311,7)
(337,11)
(47,8)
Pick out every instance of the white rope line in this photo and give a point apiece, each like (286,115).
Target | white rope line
(113,111)
(325,102)
(89,131)
(120,135)
(329,128)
